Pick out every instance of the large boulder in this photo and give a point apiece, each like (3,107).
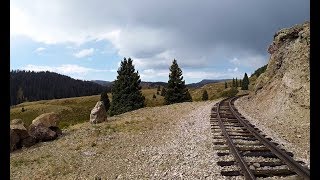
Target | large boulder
(14,140)
(98,113)
(42,133)
(18,127)
(48,120)
(24,139)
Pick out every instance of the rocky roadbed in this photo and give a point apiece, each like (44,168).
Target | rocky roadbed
(168,142)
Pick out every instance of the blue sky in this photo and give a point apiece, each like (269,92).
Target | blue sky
(88,39)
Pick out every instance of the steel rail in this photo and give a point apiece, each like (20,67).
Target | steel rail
(293,165)
(248,174)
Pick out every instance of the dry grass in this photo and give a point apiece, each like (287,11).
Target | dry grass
(106,149)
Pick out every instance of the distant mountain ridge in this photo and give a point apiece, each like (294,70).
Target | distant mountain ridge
(206,81)
(102,83)
(146,84)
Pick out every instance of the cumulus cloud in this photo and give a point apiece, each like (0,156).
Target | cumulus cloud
(84,53)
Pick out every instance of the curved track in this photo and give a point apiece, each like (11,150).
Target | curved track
(253,154)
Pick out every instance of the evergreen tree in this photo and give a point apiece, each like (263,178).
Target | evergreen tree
(245,82)
(236,82)
(104,97)
(126,94)
(154,96)
(176,90)
(205,95)
(157,92)
(163,92)
(240,83)
(225,85)
(233,83)
(158,88)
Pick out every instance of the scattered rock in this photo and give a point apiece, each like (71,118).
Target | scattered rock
(298,136)
(98,113)
(256,165)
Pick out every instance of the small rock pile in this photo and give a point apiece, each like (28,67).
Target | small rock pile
(43,128)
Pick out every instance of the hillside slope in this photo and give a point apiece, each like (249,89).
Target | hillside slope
(167,142)
(281,96)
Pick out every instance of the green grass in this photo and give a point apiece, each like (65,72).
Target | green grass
(70,110)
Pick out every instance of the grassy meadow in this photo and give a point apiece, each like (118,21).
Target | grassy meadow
(77,110)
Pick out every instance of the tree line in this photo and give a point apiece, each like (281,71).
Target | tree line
(34,86)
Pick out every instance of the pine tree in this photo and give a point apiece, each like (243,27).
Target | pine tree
(158,88)
(240,83)
(126,94)
(225,85)
(154,96)
(233,83)
(104,97)
(205,95)
(163,92)
(236,82)
(176,90)
(245,82)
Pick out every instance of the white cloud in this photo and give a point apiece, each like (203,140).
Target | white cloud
(39,49)
(233,70)
(64,69)
(148,74)
(84,53)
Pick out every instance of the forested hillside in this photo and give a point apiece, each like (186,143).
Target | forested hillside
(33,86)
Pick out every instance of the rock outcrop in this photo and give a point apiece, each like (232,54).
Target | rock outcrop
(98,113)
(281,97)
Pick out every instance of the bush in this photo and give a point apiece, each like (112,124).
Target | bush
(204,95)
(229,93)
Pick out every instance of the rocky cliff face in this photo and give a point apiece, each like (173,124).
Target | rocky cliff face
(281,96)
(288,75)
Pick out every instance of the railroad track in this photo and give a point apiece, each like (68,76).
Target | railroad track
(245,150)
